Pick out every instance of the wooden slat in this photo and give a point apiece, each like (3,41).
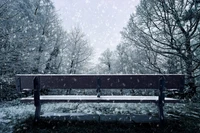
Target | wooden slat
(71,81)
(102,99)
(26,82)
(130,81)
(107,81)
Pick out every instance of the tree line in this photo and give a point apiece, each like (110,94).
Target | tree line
(162,37)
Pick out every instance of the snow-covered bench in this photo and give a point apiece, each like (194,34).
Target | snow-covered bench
(37,82)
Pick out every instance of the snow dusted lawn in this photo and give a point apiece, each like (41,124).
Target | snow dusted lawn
(14,111)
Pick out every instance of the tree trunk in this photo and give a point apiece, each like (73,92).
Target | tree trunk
(190,80)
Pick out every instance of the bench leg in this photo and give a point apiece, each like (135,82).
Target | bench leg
(161,114)
(37,113)
(161,99)
(37,103)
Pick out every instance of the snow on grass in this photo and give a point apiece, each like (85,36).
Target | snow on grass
(101,108)
(14,112)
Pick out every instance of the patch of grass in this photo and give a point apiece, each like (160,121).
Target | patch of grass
(8,92)
(45,125)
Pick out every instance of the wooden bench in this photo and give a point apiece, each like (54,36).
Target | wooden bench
(37,82)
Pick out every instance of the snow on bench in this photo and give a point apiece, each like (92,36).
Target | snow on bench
(102,99)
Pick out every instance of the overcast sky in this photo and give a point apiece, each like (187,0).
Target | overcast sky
(100,20)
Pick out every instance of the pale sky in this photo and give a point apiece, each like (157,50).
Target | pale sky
(100,20)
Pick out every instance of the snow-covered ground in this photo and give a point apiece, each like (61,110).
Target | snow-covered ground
(13,112)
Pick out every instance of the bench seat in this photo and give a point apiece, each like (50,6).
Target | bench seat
(102,99)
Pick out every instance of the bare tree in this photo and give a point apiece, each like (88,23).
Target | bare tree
(29,37)
(53,63)
(168,28)
(131,59)
(107,60)
(77,51)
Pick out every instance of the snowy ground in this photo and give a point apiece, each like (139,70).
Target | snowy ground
(14,111)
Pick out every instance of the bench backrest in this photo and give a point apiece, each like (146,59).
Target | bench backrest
(64,81)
